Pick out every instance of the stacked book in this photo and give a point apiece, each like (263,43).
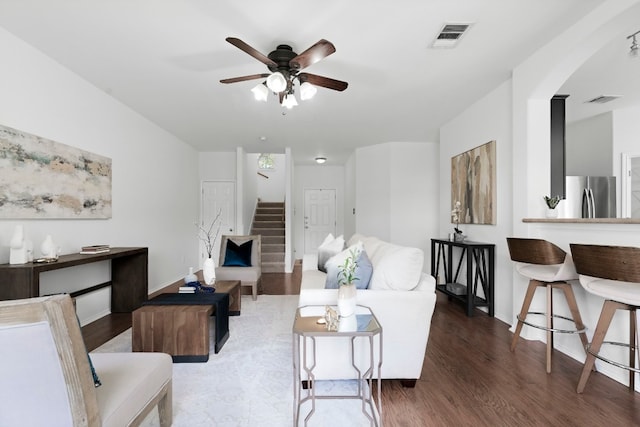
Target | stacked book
(94,249)
(186,290)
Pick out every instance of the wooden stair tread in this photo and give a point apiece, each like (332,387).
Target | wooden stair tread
(269,222)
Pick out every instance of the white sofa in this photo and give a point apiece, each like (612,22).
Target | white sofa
(400,295)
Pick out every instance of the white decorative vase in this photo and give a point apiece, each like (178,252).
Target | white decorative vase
(209,271)
(552,213)
(347,300)
(18,247)
(190,278)
(348,324)
(48,248)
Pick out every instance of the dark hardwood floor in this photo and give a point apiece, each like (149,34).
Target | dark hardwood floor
(470,378)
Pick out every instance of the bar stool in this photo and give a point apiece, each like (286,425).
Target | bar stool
(613,273)
(547,266)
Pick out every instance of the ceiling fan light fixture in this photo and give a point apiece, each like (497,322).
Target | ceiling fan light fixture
(260,92)
(307,91)
(284,69)
(277,82)
(289,101)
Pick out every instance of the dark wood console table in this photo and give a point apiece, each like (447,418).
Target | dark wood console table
(480,260)
(129,277)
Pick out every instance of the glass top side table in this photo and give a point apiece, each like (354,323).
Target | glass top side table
(307,327)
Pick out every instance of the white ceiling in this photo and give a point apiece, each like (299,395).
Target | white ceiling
(611,71)
(164,59)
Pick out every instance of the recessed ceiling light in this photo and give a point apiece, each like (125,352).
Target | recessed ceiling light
(263,138)
(321,160)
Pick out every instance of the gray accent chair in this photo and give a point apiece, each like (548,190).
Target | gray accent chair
(248,276)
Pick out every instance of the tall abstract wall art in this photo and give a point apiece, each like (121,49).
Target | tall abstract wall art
(473,184)
(41,178)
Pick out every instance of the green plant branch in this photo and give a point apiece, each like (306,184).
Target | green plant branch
(552,202)
(347,270)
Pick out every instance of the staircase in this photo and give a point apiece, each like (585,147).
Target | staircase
(269,223)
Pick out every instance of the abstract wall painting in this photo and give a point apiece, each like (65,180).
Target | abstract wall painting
(473,184)
(41,178)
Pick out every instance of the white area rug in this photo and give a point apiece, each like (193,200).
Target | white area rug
(250,382)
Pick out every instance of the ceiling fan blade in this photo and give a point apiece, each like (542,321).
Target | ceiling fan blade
(315,53)
(251,51)
(317,80)
(244,78)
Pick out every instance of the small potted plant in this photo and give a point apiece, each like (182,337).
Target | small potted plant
(552,203)
(455,217)
(347,290)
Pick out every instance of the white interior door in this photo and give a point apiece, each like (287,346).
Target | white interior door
(218,196)
(319,217)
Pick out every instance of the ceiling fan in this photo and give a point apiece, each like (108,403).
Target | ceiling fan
(285,66)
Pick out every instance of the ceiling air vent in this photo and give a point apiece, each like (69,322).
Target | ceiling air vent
(450,35)
(602,99)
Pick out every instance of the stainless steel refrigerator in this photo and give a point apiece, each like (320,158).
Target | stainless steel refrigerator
(590,197)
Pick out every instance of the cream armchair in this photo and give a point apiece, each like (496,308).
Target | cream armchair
(47,378)
(239,262)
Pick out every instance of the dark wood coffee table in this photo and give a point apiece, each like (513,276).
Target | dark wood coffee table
(178,324)
(231,287)
(179,330)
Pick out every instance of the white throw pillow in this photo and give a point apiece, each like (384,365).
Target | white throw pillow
(396,267)
(330,238)
(376,249)
(340,257)
(355,239)
(328,249)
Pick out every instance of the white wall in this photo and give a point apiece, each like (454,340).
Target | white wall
(289,253)
(373,191)
(397,189)
(247,190)
(626,140)
(589,146)
(271,189)
(626,134)
(487,120)
(350,196)
(217,166)
(155,179)
(595,145)
(534,82)
(315,177)
(415,188)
